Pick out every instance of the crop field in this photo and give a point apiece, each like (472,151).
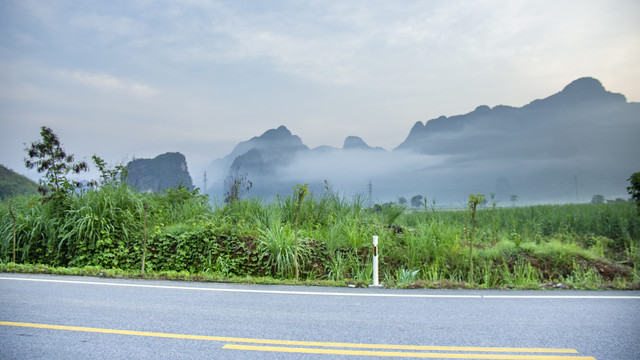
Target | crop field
(326,237)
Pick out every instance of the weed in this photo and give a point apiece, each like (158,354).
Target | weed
(405,277)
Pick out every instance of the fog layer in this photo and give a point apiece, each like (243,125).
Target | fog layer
(568,147)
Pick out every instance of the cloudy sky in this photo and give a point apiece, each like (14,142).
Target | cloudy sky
(140,77)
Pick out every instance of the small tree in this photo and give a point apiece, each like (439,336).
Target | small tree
(514,198)
(234,185)
(634,188)
(114,176)
(416,201)
(48,157)
(474,200)
(597,199)
(299,192)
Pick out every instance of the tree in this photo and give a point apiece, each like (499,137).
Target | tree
(299,192)
(402,201)
(234,185)
(114,176)
(597,199)
(514,198)
(474,200)
(634,188)
(416,201)
(48,157)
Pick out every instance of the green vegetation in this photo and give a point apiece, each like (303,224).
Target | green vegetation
(102,230)
(474,200)
(634,188)
(299,192)
(12,184)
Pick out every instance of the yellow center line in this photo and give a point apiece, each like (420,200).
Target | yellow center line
(290,342)
(402,354)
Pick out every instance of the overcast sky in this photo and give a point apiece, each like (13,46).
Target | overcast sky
(141,77)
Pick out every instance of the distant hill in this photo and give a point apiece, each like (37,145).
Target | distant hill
(262,155)
(573,144)
(12,184)
(566,147)
(355,142)
(267,160)
(551,126)
(160,173)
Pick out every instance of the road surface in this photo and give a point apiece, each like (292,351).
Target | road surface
(53,317)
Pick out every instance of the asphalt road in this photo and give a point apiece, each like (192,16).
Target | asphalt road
(52,317)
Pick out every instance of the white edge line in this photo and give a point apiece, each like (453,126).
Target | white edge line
(282,292)
(606,297)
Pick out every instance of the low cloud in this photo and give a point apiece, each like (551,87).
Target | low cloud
(103,81)
(355,166)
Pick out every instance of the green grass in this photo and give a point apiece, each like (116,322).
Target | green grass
(581,246)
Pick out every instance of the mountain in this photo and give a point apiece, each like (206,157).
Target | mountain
(568,146)
(12,183)
(259,158)
(264,154)
(162,172)
(582,139)
(355,142)
(583,103)
(279,139)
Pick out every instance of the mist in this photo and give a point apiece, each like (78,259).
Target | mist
(568,147)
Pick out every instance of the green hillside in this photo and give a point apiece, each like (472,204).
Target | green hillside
(12,183)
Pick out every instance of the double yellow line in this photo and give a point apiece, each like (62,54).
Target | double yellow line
(335,348)
(406,354)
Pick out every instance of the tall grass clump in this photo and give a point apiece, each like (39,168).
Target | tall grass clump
(100,228)
(276,245)
(179,204)
(432,244)
(36,231)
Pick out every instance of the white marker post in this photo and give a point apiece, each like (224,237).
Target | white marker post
(375,263)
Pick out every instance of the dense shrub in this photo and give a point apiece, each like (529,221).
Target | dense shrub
(512,246)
